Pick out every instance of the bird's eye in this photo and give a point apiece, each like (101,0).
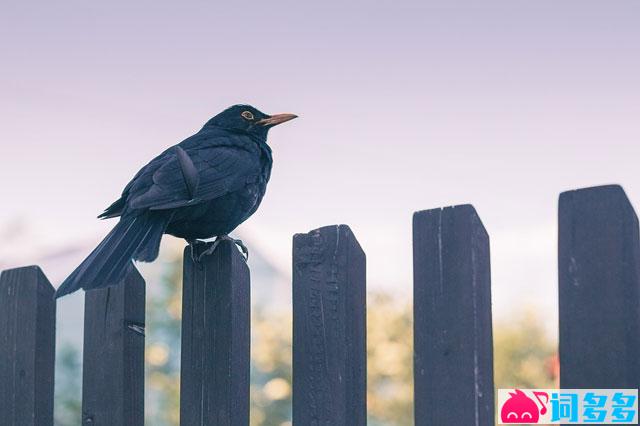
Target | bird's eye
(247,115)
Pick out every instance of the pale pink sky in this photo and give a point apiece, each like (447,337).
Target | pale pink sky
(403,106)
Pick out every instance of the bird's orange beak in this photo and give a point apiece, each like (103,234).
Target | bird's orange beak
(276,119)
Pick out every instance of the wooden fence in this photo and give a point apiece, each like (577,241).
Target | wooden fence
(599,289)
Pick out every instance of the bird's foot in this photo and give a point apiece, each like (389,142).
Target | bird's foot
(218,240)
(192,246)
(243,248)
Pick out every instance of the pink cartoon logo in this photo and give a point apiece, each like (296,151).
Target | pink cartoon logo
(519,408)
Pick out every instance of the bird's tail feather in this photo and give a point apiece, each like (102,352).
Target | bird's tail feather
(108,264)
(147,250)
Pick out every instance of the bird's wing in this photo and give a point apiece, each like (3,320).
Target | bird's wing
(194,175)
(189,171)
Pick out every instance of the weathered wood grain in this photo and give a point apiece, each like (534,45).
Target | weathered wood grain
(113,355)
(27,347)
(599,289)
(214,378)
(329,328)
(453,348)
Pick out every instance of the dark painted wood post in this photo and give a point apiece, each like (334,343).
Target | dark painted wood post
(216,308)
(453,347)
(599,267)
(113,354)
(329,328)
(27,347)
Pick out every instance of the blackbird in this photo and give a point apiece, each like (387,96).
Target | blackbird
(201,188)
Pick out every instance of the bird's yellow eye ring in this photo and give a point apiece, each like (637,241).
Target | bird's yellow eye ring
(247,115)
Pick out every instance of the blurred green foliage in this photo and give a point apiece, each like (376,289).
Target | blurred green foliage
(524,356)
(68,383)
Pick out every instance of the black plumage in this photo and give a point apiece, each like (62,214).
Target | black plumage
(203,187)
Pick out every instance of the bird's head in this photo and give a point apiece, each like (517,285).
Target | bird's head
(246,118)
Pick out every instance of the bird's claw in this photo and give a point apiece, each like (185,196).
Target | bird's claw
(192,246)
(214,245)
(209,249)
(243,248)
